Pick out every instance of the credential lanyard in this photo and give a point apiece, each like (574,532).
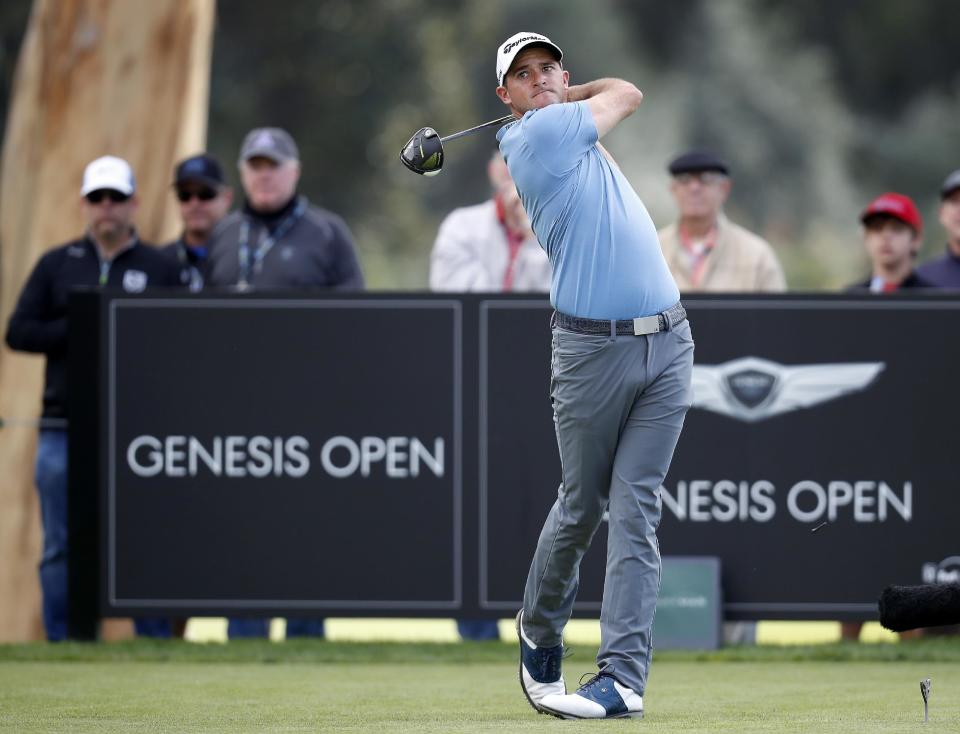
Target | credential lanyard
(251,265)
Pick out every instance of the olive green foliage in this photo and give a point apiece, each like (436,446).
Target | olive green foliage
(818,105)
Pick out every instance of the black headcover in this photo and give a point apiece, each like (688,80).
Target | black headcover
(909,607)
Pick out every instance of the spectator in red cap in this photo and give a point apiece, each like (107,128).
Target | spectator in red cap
(944,271)
(892,234)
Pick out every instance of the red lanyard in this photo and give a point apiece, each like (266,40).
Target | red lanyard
(514,243)
(697,252)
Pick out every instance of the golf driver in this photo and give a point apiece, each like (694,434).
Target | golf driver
(423,153)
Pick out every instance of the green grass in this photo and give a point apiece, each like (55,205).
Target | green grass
(309,686)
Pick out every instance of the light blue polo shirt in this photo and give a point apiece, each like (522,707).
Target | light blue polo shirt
(607,262)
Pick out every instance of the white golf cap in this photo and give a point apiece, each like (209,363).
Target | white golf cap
(108,172)
(515,44)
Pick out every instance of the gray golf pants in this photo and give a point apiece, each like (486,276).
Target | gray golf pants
(619,404)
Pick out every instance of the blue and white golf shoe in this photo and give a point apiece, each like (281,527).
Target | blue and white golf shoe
(601,697)
(540,674)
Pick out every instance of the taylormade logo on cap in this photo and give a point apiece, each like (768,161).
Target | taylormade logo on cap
(515,44)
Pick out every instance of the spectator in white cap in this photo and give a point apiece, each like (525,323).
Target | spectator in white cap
(944,271)
(111,255)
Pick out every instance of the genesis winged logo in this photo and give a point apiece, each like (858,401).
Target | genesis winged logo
(753,389)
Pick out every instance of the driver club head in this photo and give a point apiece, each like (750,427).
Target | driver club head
(423,153)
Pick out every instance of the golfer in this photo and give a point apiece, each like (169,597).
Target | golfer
(620,383)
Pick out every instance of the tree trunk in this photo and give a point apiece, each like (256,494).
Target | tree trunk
(94,77)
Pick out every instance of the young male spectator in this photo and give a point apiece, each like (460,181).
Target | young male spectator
(944,272)
(109,254)
(704,250)
(490,246)
(279,240)
(205,198)
(892,230)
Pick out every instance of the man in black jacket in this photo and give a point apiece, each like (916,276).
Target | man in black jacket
(205,198)
(111,255)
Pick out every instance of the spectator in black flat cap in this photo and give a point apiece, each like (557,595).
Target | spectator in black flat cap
(205,198)
(704,250)
(944,271)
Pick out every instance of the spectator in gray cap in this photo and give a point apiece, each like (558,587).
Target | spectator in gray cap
(704,250)
(278,239)
(944,271)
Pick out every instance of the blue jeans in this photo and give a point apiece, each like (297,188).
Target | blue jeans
(305,627)
(159,627)
(478,629)
(51,479)
(238,628)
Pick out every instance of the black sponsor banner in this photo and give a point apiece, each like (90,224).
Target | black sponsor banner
(284,455)
(817,462)
(385,454)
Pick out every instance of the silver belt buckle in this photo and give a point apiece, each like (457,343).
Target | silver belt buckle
(646,325)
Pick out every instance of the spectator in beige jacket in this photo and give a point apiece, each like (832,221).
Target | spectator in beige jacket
(704,250)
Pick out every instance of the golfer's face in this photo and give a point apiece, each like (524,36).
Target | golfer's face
(535,80)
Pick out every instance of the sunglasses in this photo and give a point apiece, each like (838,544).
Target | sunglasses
(95,197)
(202,194)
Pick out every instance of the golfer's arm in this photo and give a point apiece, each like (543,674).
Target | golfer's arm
(610,101)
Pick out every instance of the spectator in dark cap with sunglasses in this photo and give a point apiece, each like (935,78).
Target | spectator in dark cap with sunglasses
(109,254)
(279,239)
(944,271)
(205,198)
(704,250)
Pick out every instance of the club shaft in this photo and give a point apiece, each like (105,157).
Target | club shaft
(498,121)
